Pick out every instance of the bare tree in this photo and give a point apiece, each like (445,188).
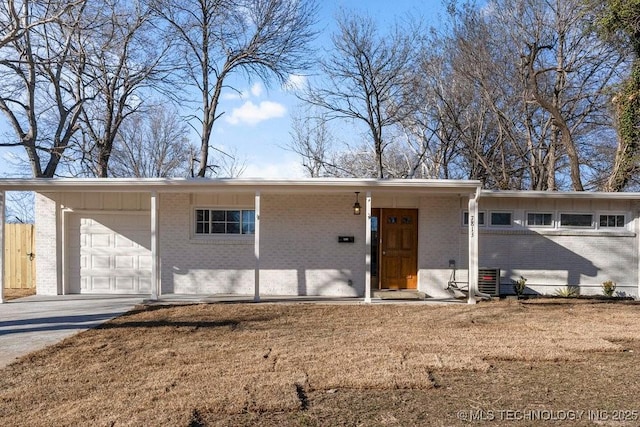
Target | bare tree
(153,143)
(261,38)
(40,91)
(312,141)
(19,17)
(365,77)
(125,54)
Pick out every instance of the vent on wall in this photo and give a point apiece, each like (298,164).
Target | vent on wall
(489,281)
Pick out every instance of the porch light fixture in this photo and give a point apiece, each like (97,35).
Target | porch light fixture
(356,205)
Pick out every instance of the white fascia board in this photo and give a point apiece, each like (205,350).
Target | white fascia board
(524,194)
(170,185)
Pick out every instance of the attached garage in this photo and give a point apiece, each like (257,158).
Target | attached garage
(109,253)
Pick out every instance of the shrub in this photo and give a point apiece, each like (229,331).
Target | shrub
(519,285)
(568,292)
(608,288)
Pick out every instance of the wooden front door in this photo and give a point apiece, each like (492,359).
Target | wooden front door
(398,249)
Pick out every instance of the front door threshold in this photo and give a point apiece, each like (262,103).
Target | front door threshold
(398,294)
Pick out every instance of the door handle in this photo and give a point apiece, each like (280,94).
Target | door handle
(384,252)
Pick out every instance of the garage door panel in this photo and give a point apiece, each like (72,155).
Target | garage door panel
(109,253)
(100,261)
(124,262)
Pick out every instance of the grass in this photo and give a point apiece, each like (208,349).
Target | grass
(10,294)
(322,364)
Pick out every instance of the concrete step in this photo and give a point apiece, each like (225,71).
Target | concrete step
(401,294)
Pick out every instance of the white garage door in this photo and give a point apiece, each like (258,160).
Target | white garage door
(109,253)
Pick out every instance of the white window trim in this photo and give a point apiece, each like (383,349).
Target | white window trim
(548,227)
(500,211)
(612,213)
(217,236)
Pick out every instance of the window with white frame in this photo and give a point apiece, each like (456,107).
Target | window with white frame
(611,221)
(584,220)
(500,219)
(539,219)
(465,218)
(224,221)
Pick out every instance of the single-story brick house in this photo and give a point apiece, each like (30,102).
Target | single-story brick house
(303,237)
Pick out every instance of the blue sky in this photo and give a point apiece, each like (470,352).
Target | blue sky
(257,124)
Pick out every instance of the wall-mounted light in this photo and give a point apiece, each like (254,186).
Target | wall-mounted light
(356,205)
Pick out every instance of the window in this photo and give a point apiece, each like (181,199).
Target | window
(465,218)
(501,219)
(537,219)
(217,221)
(612,221)
(576,220)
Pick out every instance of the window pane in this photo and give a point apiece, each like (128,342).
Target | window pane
(406,220)
(535,218)
(233,228)
(202,215)
(233,216)
(217,216)
(202,228)
(611,220)
(248,222)
(576,220)
(500,218)
(217,228)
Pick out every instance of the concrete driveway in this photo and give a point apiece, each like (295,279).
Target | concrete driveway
(32,323)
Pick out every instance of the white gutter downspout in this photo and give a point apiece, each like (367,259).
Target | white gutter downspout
(473,245)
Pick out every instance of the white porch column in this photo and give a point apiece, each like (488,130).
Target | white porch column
(367,257)
(256,249)
(473,246)
(155,276)
(2,207)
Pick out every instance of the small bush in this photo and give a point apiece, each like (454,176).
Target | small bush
(519,285)
(568,292)
(608,288)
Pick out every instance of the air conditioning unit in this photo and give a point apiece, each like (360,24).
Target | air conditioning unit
(489,281)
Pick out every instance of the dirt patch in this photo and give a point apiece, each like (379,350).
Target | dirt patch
(307,364)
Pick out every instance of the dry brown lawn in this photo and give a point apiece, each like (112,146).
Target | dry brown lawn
(323,364)
(10,294)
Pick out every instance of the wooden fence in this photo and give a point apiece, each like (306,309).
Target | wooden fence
(19,256)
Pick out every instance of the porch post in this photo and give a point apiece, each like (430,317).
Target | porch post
(154,246)
(2,207)
(256,249)
(367,258)
(473,246)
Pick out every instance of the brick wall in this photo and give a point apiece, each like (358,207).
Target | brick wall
(300,253)
(48,264)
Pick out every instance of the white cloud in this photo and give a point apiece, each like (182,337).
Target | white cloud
(252,114)
(256,90)
(295,82)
